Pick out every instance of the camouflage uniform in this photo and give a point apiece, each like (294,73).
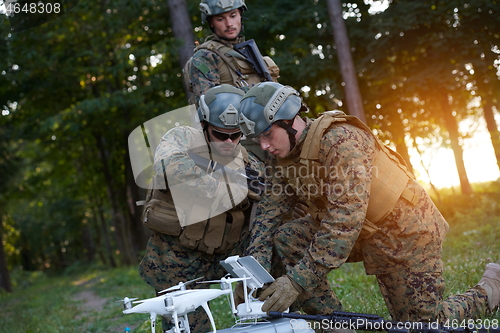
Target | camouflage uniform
(403,250)
(204,70)
(167,260)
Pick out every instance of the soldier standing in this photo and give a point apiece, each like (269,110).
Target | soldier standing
(201,217)
(364,205)
(216,61)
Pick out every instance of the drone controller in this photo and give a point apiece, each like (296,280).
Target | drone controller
(253,276)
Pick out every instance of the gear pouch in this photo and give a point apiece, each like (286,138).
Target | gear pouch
(161,216)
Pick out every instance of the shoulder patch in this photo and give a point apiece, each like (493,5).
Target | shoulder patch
(202,67)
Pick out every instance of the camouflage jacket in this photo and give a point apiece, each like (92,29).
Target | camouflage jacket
(409,238)
(207,69)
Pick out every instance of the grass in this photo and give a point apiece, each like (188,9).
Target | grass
(54,304)
(41,303)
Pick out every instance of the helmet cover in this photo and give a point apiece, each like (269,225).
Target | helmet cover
(264,104)
(218,106)
(215,7)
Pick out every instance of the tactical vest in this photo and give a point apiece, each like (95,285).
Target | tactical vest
(217,234)
(389,182)
(234,69)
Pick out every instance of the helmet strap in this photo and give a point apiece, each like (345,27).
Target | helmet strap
(205,131)
(290,130)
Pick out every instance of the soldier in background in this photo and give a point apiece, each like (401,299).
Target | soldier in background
(364,205)
(215,61)
(180,248)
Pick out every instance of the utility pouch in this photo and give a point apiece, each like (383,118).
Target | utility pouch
(216,235)
(244,66)
(232,231)
(274,70)
(192,234)
(161,216)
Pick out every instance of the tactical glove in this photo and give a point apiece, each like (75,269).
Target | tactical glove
(283,292)
(239,295)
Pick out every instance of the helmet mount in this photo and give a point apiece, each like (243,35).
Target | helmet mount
(218,106)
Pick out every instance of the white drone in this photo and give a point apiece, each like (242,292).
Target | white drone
(177,301)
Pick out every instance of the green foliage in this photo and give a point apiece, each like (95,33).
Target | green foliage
(482,205)
(80,84)
(298,35)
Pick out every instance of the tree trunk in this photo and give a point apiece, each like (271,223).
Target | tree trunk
(347,69)
(402,150)
(397,130)
(489,116)
(104,229)
(118,218)
(488,85)
(452,127)
(4,271)
(140,234)
(492,127)
(88,242)
(183,31)
(426,169)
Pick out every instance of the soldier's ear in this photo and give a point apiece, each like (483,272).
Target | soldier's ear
(210,25)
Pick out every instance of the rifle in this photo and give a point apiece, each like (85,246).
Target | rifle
(254,182)
(252,54)
(368,322)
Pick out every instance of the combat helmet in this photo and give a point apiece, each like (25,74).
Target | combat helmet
(268,103)
(214,7)
(218,106)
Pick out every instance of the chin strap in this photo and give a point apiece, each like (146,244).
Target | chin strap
(207,138)
(290,130)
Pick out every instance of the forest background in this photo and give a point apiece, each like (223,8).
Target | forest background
(73,89)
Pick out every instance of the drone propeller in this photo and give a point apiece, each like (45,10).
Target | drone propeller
(126,299)
(139,301)
(229,280)
(226,280)
(127,302)
(179,286)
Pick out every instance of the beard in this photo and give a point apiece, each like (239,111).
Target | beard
(225,148)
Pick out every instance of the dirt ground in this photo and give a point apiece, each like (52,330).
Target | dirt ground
(89,302)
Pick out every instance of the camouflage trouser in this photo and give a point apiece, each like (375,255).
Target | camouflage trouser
(408,295)
(419,297)
(167,263)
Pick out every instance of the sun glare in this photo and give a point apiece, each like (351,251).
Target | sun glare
(479,160)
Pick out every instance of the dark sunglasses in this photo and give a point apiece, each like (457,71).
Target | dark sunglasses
(224,136)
